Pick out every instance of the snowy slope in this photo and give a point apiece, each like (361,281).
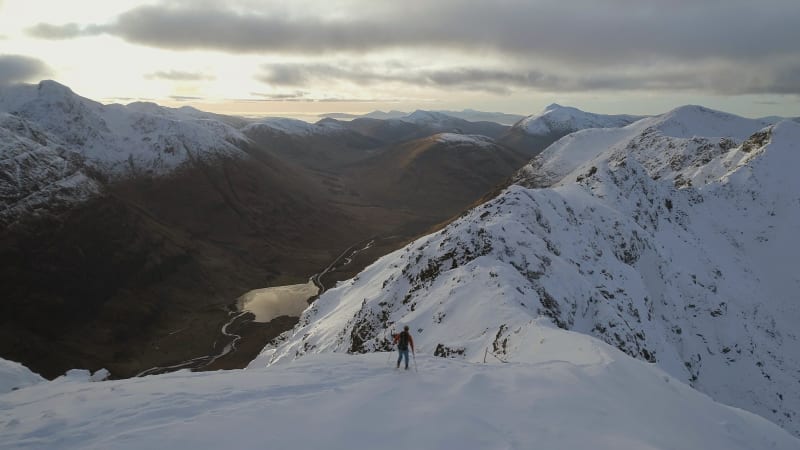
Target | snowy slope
(535,133)
(689,135)
(36,172)
(118,139)
(677,250)
(15,376)
(575,392)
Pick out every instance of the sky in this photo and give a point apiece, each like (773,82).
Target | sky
(306,57)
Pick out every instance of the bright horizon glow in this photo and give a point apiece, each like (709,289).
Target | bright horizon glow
(112,67)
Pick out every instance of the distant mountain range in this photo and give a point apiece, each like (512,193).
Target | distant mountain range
(466,114)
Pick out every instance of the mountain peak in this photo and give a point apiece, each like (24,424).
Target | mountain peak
(54,87)
(561,120)
(421,115)
(695,120)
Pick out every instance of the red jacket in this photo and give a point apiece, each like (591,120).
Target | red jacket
(410,339)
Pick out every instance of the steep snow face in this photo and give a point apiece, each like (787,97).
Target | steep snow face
(564,119)
(115,138)
(678,251)
(575,392)
(15,376)
(37,173)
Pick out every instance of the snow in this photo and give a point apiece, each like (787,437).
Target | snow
(36,172)
(117,139)
(473,140)
(573,392)
(676,247)
(14,376)
(564,119)
(689,128)
(294,127)
(427,117)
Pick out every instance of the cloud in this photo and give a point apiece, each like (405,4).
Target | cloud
(65,31)
(580,44)
(296,96)
(185,98)
(714,78)
(177,75)
(17,68)
(579,30)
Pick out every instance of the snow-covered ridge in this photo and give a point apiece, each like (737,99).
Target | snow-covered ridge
(676,250)
(455,139)
(565,119)
(427,117)
(669,144)
(294,126)
(575,392)
(116,138)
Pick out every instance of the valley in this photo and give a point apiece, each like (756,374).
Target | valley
(173,214)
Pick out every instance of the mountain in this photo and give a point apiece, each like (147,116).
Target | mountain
(471,115)
(439,175)
(534,133)
(134,228)
(420,124)
(672,239)
(117,139)
(159,216)
(324,146)
(576,392)
(483,116)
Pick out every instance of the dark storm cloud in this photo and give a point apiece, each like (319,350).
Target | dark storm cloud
(579,36)
(16,69)
(177,75)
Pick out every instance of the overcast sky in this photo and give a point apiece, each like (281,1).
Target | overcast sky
(306,57)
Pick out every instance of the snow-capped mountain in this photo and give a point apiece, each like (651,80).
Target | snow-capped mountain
(574,392)
(534,133)
(36,172)
(673,239)
(294,126)
(115,138)
(565,119)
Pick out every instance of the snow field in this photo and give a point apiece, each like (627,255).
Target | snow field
(575,392)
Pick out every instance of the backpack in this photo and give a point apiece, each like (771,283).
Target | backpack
(403,342)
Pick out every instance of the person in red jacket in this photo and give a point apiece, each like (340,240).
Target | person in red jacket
(403,340)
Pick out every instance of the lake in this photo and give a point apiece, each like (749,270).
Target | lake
(269,303)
